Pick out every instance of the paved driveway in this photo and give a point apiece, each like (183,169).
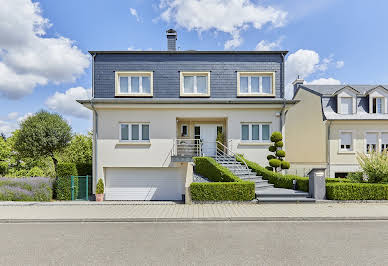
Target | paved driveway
(206,243)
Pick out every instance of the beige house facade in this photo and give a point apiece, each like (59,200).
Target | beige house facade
(332,124)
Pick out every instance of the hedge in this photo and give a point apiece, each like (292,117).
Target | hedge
(223,191)
(26,189)
(356,191)
(225,186)
(63,181)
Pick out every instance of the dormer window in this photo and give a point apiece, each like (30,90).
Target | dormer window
(378,105)
(255,84)
(346,105)
(133,83)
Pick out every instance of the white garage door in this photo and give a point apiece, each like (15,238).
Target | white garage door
(144,183)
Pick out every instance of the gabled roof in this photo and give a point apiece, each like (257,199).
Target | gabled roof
(376,88)
(330,90)
(347,87)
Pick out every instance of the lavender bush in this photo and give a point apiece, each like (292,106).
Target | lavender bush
(26,189)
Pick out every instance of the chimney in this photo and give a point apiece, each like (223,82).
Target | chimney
(171,40)
(296,83)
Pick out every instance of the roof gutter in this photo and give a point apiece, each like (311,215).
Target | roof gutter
(282,96)
(328,147)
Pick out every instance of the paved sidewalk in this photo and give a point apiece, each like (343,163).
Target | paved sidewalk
(173,212)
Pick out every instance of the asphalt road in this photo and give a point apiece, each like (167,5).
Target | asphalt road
(212,243)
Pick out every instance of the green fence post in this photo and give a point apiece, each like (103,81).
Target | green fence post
(72,188)
(87,188)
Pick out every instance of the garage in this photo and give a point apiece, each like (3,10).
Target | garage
(144,183)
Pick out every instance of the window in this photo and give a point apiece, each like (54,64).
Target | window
(378,105)
(384,141)
(255,132)
(195,83)
(184,131)
(346,105)
(255,84)
(371,142)
(134,84)
(346,141)
(134,132)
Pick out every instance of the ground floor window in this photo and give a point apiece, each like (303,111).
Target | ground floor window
(340,175)
(384,141)
(134,132)
(371,142)
(255,132)
(346,141)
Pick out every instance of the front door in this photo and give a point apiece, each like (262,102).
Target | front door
(208,133)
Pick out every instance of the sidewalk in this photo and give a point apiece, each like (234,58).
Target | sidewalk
(175,212)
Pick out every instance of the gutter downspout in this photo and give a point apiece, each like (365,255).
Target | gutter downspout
(282,95)
(328,147)
(95,129)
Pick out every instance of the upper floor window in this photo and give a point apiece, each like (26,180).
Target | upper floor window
(384,141)
(195,84)
(255,132)
(134,84)
(255,84)
(378,105)
(346,141)
(346,105)
(134,132)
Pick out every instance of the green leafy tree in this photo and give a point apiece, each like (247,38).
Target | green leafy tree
(276,160)
(375,166)
(79,150)
(43,135)
(5,152)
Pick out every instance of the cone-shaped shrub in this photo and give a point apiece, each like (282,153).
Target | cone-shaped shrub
(276,160)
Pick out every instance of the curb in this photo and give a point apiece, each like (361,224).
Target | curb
(203,219)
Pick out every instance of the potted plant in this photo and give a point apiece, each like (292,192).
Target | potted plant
(100,190)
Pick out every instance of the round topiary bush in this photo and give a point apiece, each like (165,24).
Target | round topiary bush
(280,153)
(279,144)
(276,136)
(272,148)
(269,157)
(285,165)
(274,163)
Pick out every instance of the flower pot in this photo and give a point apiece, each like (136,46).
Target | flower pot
(99,197)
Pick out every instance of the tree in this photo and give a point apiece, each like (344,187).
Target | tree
(43,134)
(276,160)
(79,150)
(4,155)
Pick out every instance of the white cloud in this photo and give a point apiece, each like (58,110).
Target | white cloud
(324,81)
(229,16)
(305,63)
(264,45)
(134,13)
(12,115)
(339,64)
(12,123)
(27,57)
(65,103)
(24,117)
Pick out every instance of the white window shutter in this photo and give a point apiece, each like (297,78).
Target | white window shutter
(346,138)
(346,105)
(371,138)
(384,138)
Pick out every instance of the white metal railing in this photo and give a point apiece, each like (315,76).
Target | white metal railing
(187,147)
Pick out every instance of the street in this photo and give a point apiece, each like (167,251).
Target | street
(196,243)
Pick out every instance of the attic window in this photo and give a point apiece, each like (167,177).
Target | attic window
(346,105)
(378,105)
(134,83)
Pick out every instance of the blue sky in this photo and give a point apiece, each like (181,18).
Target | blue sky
(44,62)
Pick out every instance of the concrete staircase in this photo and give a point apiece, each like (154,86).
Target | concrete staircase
(265,192)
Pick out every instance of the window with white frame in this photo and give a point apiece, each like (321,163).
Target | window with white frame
(371,142)
(346,105)
(134,84)
(195,83)
(251,84)
(134,132)
(346,141)
(384,141)
(378,105)
(255,132)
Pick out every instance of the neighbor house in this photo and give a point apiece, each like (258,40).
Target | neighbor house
(154,110)
(332,124)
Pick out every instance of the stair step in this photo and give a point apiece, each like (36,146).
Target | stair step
(283,195)
(259,186)
(285,200)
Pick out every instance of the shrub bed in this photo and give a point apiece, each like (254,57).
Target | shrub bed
(63,181)
(225,187)
(26,189)
(356,191)
(223,191)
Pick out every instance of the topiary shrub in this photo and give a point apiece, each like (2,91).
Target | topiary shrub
(276,160)
(269,168)
(63,181)
(100,186)
(356,191)
(223,191)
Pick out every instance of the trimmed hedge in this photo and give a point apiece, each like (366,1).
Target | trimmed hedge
(63,181)
(224,191)
(26,189)
(225,186)
(209,168)
(356,191)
